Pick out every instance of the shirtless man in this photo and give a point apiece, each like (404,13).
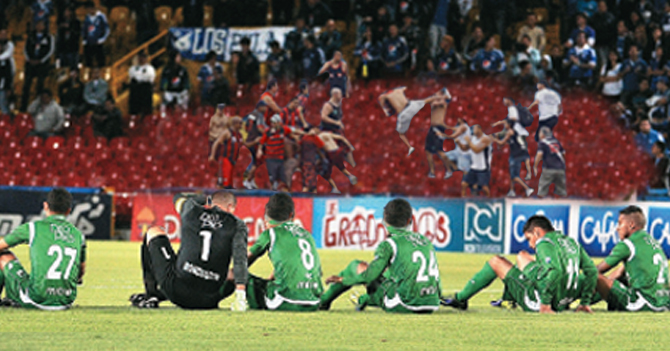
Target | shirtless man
(336,157)
(268,97)
(434,142)
(394,102)
(460,158)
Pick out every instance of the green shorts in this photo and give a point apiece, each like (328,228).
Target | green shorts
(262,295)
(520,288)
(16,280)
(383,293)
(623,298)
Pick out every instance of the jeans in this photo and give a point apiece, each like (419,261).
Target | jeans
(435,34)
(3,102)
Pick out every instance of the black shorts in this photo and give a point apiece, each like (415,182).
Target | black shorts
(433,143)
(176,287)
(479,178)
(275,170)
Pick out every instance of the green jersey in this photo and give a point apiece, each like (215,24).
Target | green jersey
(646,267)
(410,263)
(559,280)
(297,267)
(57,250)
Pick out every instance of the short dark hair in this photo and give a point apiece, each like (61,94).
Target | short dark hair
(47,92)
(271,84)
(280,207)
(311,39)
(397,213)
(636,215)
(661,145)
(274,44)
(245,41)
(210,55)
(538,221)
(59,200)
(224,196)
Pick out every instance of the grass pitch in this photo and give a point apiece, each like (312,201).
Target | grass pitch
(103,319)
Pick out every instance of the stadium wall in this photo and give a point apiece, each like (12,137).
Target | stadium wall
(456,225)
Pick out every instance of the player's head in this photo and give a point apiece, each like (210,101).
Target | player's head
(276,121)
(545,132)
(581,38)
(274,46)
(631,220)
(508,101)
(273,86)
(262,107)
(59,201)
(477,130)
(304,87)
(337,56)
(46,96)
(447,42)
(581,19)
(491,43)
(535,228)
(541,84)
(531,19)
(310,41)
(211,57)
(658,149)
(279,209)
(633,51)
(393,30)
(336,94)
(90,7)
(224,200)
(293,104)
(236,123)
(398,213)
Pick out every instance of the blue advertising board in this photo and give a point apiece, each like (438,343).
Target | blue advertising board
(483,228)
(659,225)
(597,229)
(559,215)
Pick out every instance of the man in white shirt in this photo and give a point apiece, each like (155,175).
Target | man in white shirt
(142,76)
(549,106)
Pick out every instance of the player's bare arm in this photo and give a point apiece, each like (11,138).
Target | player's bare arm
(325,111)
(223,137)
(325,67)
(3,245)
(538,158)
(382,101)
(458,131)
(535,102)
(301,115)
(483,143)
(272,104)
(345,140)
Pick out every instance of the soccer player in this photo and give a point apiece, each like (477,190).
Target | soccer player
(273,142)
(560,273)
(193,278)
(338,74)
(479,175)
(518,154)
(268,97)
(641,284)
(549,106)
(435,138)
(230,141)
(255,125)
(403,277)
(57,259)
(336,157)
(394,102)
(295,284)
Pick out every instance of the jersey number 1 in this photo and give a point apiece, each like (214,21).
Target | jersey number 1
(433,271)
(206,244)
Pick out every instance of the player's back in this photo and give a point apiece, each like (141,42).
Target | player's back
(647,268)
(206,246)
(56,252)
(296,262)
(414,269)
(568,285)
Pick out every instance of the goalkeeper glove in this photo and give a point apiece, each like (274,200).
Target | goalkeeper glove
(240,303)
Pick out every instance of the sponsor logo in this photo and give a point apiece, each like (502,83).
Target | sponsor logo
(364,228)
(210,220)
(558,215)
(483,227)
(8,222)
(201,272)
(659,226)
(597,230)
(59,292)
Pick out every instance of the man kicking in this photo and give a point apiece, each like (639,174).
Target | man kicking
(394,102)
(336,156)
(404,275)
(57,259)
(436,136)
(547,284)
(295,284)
(194,277)
(641,284)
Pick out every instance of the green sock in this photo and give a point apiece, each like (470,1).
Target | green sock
(338,289)
(480,281)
